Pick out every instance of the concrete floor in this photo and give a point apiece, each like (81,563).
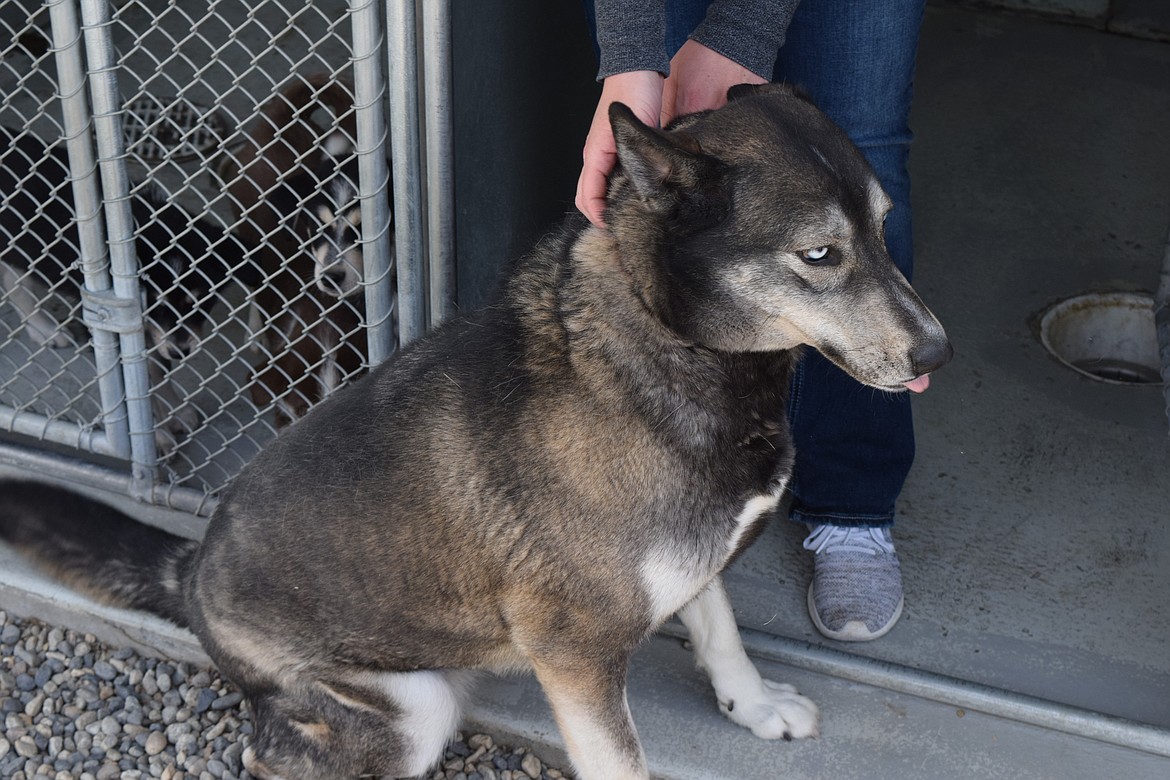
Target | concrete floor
(1034,529)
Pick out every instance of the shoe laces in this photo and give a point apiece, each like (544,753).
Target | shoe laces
(840,538)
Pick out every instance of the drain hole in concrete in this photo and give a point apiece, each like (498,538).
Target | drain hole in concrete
(1118,371)
(1106,336)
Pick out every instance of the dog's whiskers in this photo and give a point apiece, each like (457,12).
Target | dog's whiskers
(666,417)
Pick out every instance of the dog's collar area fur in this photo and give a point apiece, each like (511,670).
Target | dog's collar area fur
(612,341)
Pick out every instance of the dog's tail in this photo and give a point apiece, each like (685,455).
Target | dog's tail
(96,549)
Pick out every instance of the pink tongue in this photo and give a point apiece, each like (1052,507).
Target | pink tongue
(919,385)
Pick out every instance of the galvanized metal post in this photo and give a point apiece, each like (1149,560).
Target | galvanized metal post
(87,200)
(409,237)
(369,94)
(107,112)
(436,29)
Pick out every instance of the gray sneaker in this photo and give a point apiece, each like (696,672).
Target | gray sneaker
(856,592)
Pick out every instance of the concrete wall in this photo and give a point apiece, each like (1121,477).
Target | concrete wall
(524,91)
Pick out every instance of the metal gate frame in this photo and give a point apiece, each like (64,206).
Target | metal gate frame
(418,39)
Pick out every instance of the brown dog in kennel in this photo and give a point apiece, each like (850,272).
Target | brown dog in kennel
(293,188)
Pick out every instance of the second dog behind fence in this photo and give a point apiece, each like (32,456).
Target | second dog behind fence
(293,187)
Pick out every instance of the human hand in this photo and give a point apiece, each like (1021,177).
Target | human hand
(641,91)
(699,80)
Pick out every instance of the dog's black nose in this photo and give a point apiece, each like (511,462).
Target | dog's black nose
(931,356)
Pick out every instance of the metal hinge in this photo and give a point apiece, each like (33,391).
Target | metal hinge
(106,311)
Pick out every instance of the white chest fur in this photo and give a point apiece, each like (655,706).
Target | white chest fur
(673,574)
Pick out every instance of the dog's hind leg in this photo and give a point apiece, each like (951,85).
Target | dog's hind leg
(771,710)
(588,698)
(389,724)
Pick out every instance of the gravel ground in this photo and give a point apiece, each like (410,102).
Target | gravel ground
(75,709)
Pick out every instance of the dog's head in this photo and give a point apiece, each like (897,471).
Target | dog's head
(758,227)
(330,221)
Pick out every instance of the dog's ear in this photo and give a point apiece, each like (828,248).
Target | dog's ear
(670,172)
(656,162)
(771,88)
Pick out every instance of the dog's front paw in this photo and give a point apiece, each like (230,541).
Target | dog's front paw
(775,711)
(165,442)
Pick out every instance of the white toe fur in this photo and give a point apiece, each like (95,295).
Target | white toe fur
(774,711)
(771,710)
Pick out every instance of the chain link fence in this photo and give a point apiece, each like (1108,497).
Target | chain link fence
(196,243)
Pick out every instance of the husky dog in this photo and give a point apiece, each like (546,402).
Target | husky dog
(311,336)
(40,265)
(602,442)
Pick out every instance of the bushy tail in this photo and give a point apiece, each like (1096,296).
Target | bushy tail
(96,549)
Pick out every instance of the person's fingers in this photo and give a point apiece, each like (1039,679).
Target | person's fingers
(591,185)
(597,161)
(641,92)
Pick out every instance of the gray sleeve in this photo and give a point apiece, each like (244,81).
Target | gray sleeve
(631,35)
(749,32)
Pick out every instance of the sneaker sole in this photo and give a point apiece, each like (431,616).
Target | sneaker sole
(854,630)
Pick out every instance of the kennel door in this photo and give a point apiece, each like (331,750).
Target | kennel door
(59,383)
(151,102)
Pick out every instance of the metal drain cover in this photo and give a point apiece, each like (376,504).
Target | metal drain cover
(1118,371)
(1106,336)
(162,128)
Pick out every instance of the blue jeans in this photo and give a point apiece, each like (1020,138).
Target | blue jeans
(854,445)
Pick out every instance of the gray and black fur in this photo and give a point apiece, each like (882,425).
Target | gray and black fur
(540,485)
(95,548)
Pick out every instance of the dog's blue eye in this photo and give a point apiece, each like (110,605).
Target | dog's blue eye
(815,255)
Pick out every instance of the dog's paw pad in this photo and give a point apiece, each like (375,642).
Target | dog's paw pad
(775,711)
